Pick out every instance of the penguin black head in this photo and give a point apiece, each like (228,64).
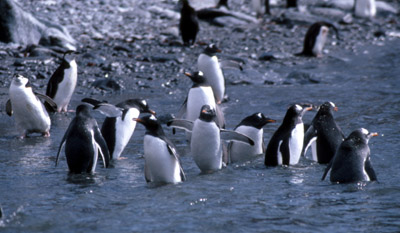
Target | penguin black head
(327,107)
(207,113)
(295,113)
(196,77)
(153,126)
(257,120)
(211,50)
(361,136)
(83,110)
(141,104)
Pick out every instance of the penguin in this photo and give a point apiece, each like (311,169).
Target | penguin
(286,144)
(261,7)
(352,162)
(291,3)
(83,142)
(188,24)
(29,112)
(162,163)
(252,127)
(62,83)
(209,65)
(205,144)
(323,135)
(117,131)
(222,4)
(365,8)
(315,39)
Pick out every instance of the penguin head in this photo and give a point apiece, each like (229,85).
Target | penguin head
(196,77)
(140,104)
(20,80)
(361,136)
(207,113)
(295,113)
(328,107)
(151,123)
(83,110)
(256,120)
(211,50)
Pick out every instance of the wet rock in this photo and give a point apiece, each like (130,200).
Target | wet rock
(163,58)
(122,48)
(268,56)
(347,19)
(301,77)
(21,27)
(107,84)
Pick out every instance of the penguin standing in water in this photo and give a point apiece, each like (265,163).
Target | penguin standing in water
(315,39)
(351,162)
(324,135)
(365,8)
(285,146)
(209,65)
(252,127)
(188,24)
(162,163)
(62,83)
(83,143)
(29,112)
(117,131)
(205,144)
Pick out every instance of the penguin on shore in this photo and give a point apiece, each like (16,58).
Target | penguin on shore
(62,83)
(315,39)
(324,135)
(83,143)
(29,112)
(261,7)
(188,24)
(208,64)
(365,8)
(252,127)
(352,162)
(162,163)
(286,144)
(205,144)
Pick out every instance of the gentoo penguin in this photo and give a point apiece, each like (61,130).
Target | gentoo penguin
(315,39)
(162,163)
(351,162)
(205,144)
(365,8)
(291,3)
(323,135)
(83,143)
(261,7)
(209,65)
(199,94)
(62,83)
(252,127)
(286,144)
(188,24)
(222,3)
(29,112)
(117,131)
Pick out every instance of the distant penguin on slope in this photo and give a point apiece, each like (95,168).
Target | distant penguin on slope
(205,144)
(324,135)
(208,64)
(261,7)
(286,144)
(252,127)
(188,24)
(352,162)
(83,143)
(365,8)
(315,39)
(162,163)
(29,112)
(62,83)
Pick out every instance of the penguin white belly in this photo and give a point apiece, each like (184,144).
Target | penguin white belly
(206,146)
(161,165)
(280,158)
(66,87)
(366,176)
(198,97)
(124,130)
(313,144)
(365,8)
(96,148)
(296,143)
(320,41)
(241,151)
(30,114)
(213,73)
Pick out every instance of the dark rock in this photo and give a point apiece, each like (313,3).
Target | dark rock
(347,19)
(40,75)
(107,84)
(300,77)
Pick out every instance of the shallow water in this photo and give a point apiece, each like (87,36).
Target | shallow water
(37,197)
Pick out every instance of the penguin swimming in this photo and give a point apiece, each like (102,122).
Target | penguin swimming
(83,142)
(365,8)
(315,39)
(62,83)
(29,112)
(323,135)
(162,163)
(188,24)
(252,127)
(205,144)
(209,65)
(117,131)
(286,144)
(352,162)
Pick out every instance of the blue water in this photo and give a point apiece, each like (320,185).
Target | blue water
(35,196)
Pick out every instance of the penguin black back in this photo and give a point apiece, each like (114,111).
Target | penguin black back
(188,24)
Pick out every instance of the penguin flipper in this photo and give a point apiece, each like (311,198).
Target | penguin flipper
(309,136)
(172,151)
(370,171)
(229,135)
(227,160)
(108,110)
(102,146)
(48,100)
(327,169)
(63,141)
(147,174)
(181,124)
(285,151)
(182,110)
(9,110)
(220,119)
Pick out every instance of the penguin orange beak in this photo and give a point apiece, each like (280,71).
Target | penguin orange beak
(335,109)
(308,109)
(188,74)
(271,121)
(138,120)
(374,134)
(152,112)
